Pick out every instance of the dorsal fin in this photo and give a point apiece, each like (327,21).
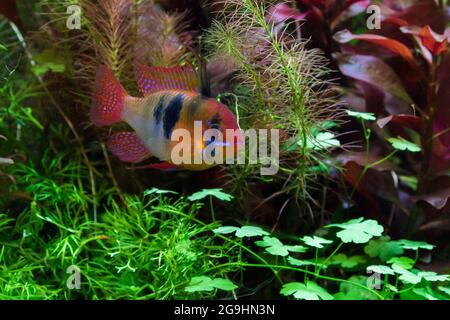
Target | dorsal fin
(154,79)
(203,76)
(205,83)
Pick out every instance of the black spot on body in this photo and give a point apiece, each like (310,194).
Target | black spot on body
(158,112)
(172,114)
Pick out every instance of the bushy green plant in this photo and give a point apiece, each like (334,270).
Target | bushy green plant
(280,84)
(144,248)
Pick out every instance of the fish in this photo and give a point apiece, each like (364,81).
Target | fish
(172,98)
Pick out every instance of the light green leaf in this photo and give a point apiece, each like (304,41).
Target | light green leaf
(348,262)
(410,181)
(2,47)
(218,193)
(349,291)
(250,231)
(245,231)
(427,293)
(225,230)
(273,246)
(298,248)
(310,291)
(405,275)
(201,283)
(415,245)
(380,269)
(316,242)
(433,276)
(384,248)
(358,231)
(445,289)
(324,140)
(49,60)
(158,191)
(362,115)
(391,287)
(224,284)
(403,262)
(204,283)
(402,144)
(276,247)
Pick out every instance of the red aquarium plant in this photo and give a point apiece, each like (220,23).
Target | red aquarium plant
(404,69)
(400,74)
(323,17)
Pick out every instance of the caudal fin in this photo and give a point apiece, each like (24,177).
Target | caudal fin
(108,98)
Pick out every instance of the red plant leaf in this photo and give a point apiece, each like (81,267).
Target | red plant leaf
(8,9)
(437,199)
(360,159)
(442,118)
(281,12)
(419,13)
(431,43)
(350,9)
(395,46)
(396,21)
(316,3)
(374,71)
(442,224)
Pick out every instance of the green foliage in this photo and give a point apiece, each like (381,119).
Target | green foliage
(381,269)
(415,245)
(279,84)
(49,60)
(245,231)
(203,283)
(310,291)
(404,262)
(322,141)
(404,145)
(361,115)
(348,262)
(384,248)
(329,266)
(217,193)
(277,248)
(316,241)
(358,231)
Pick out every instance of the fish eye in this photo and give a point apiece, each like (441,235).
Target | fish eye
(211,140)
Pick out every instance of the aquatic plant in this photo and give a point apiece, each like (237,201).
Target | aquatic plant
(332,224)
(280,84)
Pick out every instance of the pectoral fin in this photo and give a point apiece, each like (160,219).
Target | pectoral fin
(128,147)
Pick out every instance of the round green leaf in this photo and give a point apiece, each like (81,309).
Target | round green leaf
(404,145)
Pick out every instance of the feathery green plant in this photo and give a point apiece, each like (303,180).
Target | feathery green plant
(282,86)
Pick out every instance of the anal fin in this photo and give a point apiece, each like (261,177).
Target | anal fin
(128,147)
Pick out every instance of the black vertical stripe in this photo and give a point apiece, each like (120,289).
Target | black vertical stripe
(194,105)
(158,112)
(172,114)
